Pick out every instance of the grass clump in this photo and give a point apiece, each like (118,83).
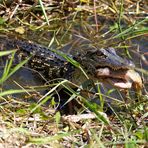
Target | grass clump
(76,24)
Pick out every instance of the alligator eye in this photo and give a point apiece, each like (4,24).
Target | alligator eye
(100,54)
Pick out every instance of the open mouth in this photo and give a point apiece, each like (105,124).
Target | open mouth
(121,78)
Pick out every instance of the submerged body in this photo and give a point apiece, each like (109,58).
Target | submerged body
(100,63)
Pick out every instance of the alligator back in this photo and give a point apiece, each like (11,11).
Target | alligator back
(42,59)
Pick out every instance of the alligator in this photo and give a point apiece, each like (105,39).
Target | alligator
(102,63)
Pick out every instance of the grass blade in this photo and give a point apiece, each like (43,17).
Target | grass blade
(44,12)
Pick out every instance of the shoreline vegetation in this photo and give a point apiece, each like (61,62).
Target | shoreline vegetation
(29,111)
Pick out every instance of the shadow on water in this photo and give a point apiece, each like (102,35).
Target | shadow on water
(25,79)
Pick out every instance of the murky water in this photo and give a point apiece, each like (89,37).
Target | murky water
(142,44)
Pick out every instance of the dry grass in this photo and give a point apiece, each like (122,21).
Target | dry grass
(54,23)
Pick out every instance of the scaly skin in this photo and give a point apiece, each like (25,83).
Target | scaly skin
(104,63)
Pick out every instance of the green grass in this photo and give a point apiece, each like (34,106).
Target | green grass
(8,70)
(38,124)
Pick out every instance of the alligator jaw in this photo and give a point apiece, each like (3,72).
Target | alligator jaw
(121,78)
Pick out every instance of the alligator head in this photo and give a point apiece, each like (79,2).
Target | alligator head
(106,65)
